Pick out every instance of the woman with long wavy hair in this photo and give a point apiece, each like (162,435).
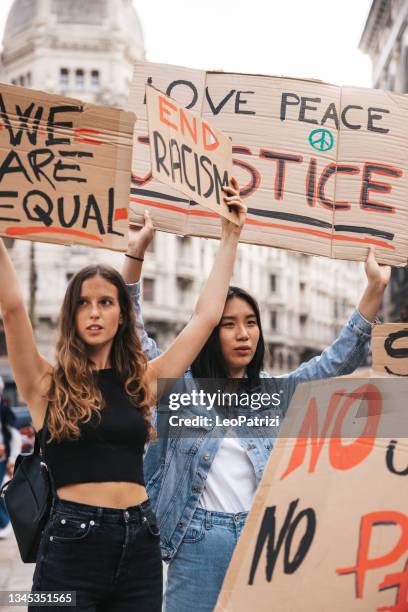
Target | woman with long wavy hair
(101,540)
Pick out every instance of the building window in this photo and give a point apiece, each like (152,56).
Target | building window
(184,248)
(184,286)
(79,78)
(21,81)
(95,79)
(290,362)
(14,82)
(271,350)
(28,79)
(68,277)
(64,77)
(148,289)
(272,283)
(273,319)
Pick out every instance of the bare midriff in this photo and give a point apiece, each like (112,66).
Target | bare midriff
(104,494)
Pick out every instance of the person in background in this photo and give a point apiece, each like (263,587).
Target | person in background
(202,487)
(10,448)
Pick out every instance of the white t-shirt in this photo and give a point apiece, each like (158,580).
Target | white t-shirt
(231,483)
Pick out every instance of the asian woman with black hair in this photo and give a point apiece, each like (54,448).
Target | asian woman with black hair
(202,485)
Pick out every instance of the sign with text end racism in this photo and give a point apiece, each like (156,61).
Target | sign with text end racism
(188,154)
(323,169)
(328,529)
(390,349)
(65,169)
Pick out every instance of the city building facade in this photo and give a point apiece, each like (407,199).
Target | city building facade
(385,40)
(86,49)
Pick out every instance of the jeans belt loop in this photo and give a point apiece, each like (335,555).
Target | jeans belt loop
(208,520)
(99,512)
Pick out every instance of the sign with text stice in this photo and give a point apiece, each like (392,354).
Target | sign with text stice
(64,169)
(322,169)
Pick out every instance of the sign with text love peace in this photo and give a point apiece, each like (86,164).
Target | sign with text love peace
(390,349)
(328,529)
(323,169)
(177,134)
(65,169)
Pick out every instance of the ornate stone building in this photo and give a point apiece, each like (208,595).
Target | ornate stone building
(385,40)
(85,49)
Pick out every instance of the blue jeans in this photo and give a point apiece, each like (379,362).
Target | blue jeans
(4,517)
(196,573)
(110,557)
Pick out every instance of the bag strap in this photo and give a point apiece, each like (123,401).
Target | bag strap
(39,441)
(39,447)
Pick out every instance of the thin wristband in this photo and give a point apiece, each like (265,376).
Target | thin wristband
(134,257)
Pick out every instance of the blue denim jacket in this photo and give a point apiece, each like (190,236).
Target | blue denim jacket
(176,468)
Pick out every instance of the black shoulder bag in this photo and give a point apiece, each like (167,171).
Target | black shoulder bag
(28,497)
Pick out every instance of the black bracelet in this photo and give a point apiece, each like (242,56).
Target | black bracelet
(134,257)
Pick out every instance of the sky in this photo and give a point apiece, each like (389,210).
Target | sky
(297,38)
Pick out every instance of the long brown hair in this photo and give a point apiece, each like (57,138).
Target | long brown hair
(73,394)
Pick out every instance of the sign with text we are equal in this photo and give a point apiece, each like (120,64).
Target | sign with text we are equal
(323,169)
(187,153)
(64,169)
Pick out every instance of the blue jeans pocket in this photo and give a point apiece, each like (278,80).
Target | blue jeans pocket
(195,532)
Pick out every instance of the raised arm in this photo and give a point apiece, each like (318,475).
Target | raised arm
(139,240)
(29,367)
(350,350)
(209,308)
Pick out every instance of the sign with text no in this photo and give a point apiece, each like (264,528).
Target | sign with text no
(328,529)
(64,169)
(188,154)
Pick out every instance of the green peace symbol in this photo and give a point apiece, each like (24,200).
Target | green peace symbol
(321,140)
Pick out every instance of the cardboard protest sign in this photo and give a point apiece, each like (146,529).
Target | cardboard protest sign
(65,169)
(322,169)
(188,154)
(328,529)
(390,349)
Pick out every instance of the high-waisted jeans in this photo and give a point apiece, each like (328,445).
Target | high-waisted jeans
(197,571)
(110,558)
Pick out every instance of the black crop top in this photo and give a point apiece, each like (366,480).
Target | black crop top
(109,449)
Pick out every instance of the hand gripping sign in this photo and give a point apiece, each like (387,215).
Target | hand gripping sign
(328,529)
(322,169)
(188,154)
(64,169)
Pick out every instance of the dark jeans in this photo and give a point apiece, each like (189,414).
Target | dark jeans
(110,557)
